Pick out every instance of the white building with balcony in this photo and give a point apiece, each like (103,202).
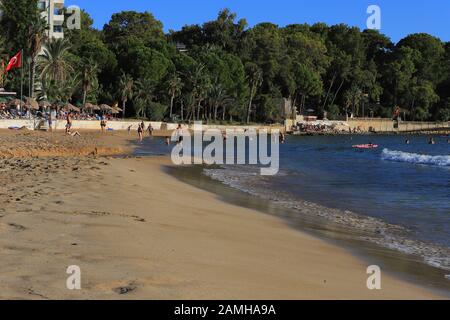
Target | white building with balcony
(52,12)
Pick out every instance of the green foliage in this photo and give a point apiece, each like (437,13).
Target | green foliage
(157,110)
(443,113)
(15,23)
(133,25)
(423,97)
(230,72)
(333,112)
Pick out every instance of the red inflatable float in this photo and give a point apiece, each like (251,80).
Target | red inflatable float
(365,146)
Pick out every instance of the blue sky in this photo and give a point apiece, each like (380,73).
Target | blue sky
(399,17)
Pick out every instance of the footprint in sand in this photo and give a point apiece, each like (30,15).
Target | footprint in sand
(17,227)
(129,287)
(125,290)
(119,287)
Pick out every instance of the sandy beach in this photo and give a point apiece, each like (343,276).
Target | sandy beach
(137,232)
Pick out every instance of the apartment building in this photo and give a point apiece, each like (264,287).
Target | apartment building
(52,12)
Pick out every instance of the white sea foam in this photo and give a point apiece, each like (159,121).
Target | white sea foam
(400,156)
(246,179)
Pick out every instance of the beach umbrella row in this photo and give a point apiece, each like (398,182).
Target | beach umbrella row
(31,103)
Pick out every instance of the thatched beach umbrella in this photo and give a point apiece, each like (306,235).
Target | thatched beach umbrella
(105,107)
(70,107)
(75,109)
(44,104)
(31,103)
(88,106)
(16,102)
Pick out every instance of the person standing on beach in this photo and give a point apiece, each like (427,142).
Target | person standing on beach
(150,129)
(103,125)
(179,134)
(51,118)
(69,123)
(140,130)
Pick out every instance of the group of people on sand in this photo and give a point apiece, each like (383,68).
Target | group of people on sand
(141,129)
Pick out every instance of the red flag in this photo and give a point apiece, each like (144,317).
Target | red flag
(15,62)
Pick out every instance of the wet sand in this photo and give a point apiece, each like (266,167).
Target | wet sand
(138,233)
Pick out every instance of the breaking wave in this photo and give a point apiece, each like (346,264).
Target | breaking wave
(415,158)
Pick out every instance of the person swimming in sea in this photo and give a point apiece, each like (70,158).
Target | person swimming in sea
(407,141)
(431,141)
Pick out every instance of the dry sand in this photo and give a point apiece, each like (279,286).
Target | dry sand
(138,233)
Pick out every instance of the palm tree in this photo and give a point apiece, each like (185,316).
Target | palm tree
(51,90)
(54,63)
(256,80)
(198,82)
(89,76)
(71,85)
(140,106)
(36,34)
(217,97)
(126,85)
(175,85)
(352,98)
(144,95)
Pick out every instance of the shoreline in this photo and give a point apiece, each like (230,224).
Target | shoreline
(138,233)
(401,265)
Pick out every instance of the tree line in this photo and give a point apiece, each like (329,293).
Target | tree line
(224,70)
